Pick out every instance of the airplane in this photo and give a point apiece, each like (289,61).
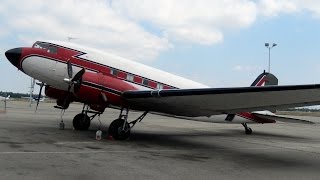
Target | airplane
(2,98)
(74,73)
(40,100)
(35,99)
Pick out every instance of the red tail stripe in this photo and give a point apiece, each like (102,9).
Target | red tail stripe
(262,80)
(254,118)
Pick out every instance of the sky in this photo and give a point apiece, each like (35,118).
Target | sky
(219,43)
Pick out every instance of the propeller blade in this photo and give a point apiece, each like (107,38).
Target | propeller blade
(69,68)
(77,80)
(69,88)
(78,75)
(67,97)
(39,96)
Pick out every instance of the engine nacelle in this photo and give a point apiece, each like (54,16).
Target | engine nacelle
(54,93)
(101,90)
(60,95)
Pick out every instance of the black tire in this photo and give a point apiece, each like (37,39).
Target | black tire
(116,130)
(249,131)
(81,122)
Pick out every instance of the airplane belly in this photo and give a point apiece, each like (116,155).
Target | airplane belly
(47,70)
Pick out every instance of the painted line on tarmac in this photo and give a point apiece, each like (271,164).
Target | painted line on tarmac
(72,142)
(155,150)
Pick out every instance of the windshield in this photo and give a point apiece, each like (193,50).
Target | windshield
(47,46)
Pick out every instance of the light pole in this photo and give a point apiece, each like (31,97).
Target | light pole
(269,46)
(31,90)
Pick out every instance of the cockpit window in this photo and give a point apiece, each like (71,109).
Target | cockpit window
(42,45)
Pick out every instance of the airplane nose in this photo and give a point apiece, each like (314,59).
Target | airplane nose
(13,55)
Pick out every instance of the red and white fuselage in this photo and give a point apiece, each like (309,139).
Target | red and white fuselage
(106,77)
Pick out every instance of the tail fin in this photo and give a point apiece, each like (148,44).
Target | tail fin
(265,79)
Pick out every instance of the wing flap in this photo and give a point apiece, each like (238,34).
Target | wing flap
(283,118)
(211,101)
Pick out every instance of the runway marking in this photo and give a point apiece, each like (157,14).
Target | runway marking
(72,142)
(149,150)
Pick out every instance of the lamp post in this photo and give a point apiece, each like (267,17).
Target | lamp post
(31,90)
(269,46)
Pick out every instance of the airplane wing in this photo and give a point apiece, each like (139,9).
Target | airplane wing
(282,118)
(211,101)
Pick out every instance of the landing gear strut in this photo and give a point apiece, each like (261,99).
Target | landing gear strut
(82,121)
(61,125)
(119,129)
(63,105)
(248,130)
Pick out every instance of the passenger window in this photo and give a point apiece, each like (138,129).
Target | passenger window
(159,86)
(145,82)
(114,72)
(129,77)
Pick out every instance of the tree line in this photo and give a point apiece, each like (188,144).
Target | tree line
(17,95)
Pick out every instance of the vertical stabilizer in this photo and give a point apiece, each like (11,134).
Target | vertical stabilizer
(265,79)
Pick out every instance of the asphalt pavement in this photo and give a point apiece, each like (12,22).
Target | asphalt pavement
(33,147)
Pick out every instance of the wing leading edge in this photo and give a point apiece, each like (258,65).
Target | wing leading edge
(211,101)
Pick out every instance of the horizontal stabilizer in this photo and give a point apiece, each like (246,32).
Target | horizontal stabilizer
(281,118)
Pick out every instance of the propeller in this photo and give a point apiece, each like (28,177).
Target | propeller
(69,68)
(39,95)
(71,81)
(74,81)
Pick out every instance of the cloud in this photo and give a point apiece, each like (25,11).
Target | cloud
(312,6)
(272,8)
(138,29)
(94,22)
(247,68)
(198,35)
(200,22)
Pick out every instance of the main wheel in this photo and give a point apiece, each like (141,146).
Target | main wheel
(248,131)
(116,130)
(81,122)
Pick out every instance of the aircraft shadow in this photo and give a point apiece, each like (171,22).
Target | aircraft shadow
(194,146)
(199,149)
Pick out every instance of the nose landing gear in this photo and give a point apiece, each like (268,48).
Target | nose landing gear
(82,121)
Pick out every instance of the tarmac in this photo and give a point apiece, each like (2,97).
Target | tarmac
(33,147)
